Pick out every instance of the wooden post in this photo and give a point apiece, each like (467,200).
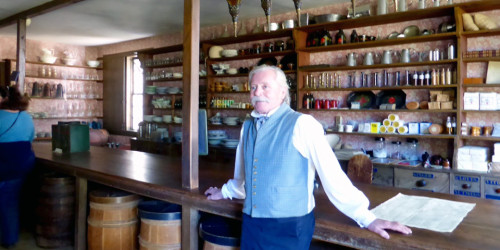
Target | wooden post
(21,53)
(191,94)
(190,99)
(81,213)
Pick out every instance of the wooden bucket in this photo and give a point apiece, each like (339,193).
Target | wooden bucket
(56,212)
(220,233)
(160,225)
(112,221)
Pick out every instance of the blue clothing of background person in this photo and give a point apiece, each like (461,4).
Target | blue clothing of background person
(16,159)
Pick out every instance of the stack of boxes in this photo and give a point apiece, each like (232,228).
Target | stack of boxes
(473,158)
(441,99)
(481,101)
(495,159)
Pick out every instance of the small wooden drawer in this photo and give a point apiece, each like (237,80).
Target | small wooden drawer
(492,188)
(383,175)
(422,180)
(467,185)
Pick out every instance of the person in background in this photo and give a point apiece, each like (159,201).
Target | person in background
(17,132)
(276,160)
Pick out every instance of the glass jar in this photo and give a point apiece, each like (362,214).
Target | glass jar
(412,149)
(396,150)
(380,151)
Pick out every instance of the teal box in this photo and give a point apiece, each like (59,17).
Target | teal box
(70,137)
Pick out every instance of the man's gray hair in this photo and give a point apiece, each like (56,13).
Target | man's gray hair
(280,78)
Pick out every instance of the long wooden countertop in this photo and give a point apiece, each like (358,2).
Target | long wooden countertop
(159,177)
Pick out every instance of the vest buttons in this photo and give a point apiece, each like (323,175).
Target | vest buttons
(255,160)
(254,179)
(254,186)
(255,167)
(255,172)
(254,206)
(254,193)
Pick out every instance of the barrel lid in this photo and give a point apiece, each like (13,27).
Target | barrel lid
(159,210)
(112,196)
(221,231)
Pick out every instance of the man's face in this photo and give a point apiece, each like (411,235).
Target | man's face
(265,93)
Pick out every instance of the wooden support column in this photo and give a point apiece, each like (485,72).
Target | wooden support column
(81,213)
(21,53)
(190,98)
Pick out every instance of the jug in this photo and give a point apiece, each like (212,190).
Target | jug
(368,58)
(351,59)
(46,90)
(382,7)
(402,5)
(36,89)
(405,55)
(387,57)
(60,91)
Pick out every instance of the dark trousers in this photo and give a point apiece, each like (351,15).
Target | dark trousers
(9,211)
(277,233)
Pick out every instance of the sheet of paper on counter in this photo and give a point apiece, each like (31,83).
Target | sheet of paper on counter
(424,212)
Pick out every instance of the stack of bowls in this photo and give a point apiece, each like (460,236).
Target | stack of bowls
(230,143)
(157,118)
(229,52)
(178,136)
(151,90)
(230,120)
(215,137)
(161,90)
(148,118)
(173,90)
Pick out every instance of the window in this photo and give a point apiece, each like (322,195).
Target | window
(134,98)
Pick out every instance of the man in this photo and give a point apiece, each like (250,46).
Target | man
(276,160)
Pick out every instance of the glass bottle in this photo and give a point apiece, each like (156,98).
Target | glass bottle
(454,125)
(449,129)
(325,38)
(340,37)
(354,37)
(380,151)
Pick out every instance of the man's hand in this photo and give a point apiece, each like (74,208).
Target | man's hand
(213,193)
(378,226)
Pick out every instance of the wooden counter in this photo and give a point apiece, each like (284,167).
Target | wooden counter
(159,177)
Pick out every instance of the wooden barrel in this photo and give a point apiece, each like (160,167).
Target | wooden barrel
(112,221)
(55,212)
(160,225)
(220,233)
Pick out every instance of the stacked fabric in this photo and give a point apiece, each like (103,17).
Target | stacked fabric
(473,158)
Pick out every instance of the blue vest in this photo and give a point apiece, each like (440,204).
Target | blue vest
(275,172)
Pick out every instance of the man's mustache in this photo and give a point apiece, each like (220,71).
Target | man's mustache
(256,99)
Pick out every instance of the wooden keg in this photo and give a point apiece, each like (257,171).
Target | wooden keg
(220,233)
(160,225)
(112,221)
(55,212)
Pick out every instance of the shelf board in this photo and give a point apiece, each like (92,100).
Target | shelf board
(43,139)
(54,98)
(397,17)
(482,85)
(448,137)
(171,108)
(165,80)
(68,118)
(380,43)
(59,65)
(481,33)
(214,126)
(481,59)
(250,37)
(166,94)
(163,50)
(382,111)
(382,88)
(480,138)
(230,109)
(229,92)
(245,74)
(481,111)
(261,55)
(319,68)
(63,79)
(164,66)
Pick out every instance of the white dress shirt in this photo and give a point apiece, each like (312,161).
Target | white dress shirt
(309,140)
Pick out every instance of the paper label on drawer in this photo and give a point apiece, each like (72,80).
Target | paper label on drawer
(423,175)
(491,182)
(466,178)
(467,193)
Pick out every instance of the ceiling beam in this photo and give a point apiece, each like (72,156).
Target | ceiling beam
(36,11)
